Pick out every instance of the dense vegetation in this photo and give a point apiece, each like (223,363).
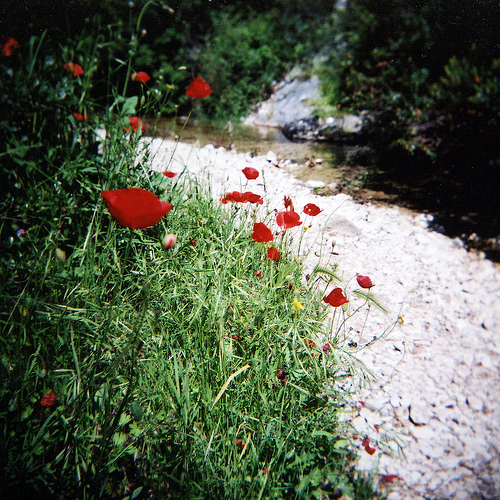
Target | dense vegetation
(130,367)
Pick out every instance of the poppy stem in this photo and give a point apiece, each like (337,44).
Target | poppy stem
(127,249)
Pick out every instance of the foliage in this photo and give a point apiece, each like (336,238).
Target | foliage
(429,88)
(242,58)
(127,368)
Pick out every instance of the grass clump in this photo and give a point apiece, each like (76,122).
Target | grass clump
(129,369)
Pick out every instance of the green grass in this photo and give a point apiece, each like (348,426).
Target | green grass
(164,362)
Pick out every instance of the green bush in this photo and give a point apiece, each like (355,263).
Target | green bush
(428,87)
(241,58)
(128,369)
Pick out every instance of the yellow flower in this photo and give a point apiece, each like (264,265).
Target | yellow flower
(297,304)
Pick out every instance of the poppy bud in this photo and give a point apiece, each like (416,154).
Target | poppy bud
(169,240)
(281,374)
(364,281)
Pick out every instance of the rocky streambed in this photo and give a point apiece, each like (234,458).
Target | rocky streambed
(431,411)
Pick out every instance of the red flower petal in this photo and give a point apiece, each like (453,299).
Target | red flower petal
(335,298)
(140,76)
(273,253)
(198,89)
(250,173)
(233,196)
(10,46)
(312,209)
(252,197)
(364,281)
(261,233)
(169,174)
(288,203)
(135,123)
(288,219)
(48,399)
(77,69)
(370,450)
(81,117)
(388,478)
(135,208)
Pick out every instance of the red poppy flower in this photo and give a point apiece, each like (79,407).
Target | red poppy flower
(10,46)
(261,233)
(233,196)
(367,447)
(76,68)
(135,208)
(335,298)
(169,174)
(312,209)
(48,399)
(247,197)
(273,253)
(81,117)
(135,123)
(288,219)
(198,89)
(250,173)
(140,76)
(364,281)
(388,478)
(252,197)
(288,203)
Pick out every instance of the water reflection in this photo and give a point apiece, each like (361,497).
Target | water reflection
(308,161)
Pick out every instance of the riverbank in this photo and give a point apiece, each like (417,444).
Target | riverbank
(433,410)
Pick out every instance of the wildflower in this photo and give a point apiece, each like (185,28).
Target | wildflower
(240,442)
(20,233)
(76,68)
(169,240)
(10,46)
(233,196)
(169,174)
(364,281)
(297,305)
(258,274)
(235,337)
(326,348)
(288,219)
(140,76)
(261,233)
(250,197)
(198,89)
(367,447)
(193,243)
(288,203)
(81,117)
(312,209)
(246,197)
(335,298)
(273,253)
(135,208)
(388,478)
(135,123)
(250,173)
(281,374)
(48,399)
